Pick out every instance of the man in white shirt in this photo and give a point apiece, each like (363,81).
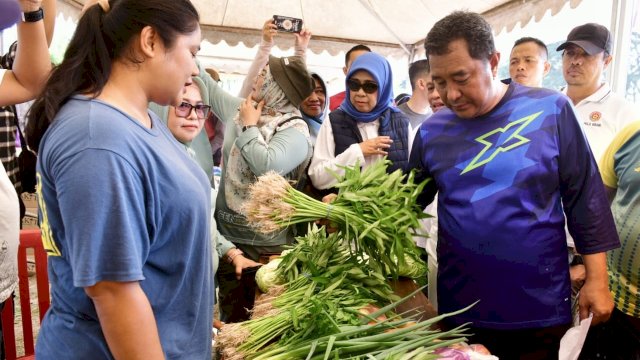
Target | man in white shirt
(585,56)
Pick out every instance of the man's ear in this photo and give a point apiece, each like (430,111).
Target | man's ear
(547,68)
(494,60)
(607,60)
(421,84)
(344,70)
(149,41)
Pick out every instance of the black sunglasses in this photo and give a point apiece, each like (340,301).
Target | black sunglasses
(369,87)
(184,110)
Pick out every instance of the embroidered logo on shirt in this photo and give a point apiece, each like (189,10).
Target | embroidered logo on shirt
(503,143)
(595,116)
(45,229)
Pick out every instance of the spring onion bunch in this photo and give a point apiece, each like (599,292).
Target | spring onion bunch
(325,288)
(390,338)
(376,211)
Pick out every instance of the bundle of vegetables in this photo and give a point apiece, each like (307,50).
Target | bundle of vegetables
(374,210)
(316,287)
(327,261)
(389,338)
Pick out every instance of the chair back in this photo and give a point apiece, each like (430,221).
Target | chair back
(29,239)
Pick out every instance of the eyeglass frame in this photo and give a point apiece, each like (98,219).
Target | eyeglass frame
(355,86)
(196,107)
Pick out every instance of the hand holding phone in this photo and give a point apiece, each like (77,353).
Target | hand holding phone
(287,24)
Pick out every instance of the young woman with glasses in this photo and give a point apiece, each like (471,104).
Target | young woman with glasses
(186,121)
(364,129)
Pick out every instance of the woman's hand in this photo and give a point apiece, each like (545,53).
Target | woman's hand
(249,114)
(376,146)
(269,29)
(30,5)
(241,262)
(302,39)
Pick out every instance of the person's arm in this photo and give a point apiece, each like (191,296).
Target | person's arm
(282,154)
(588,214)
(50,12)
(32,64)
(301,43)
(126,319)
(261,59)
(225,249)
(417,164)
(239,261)
(224,105)
(324,158)
(595,296)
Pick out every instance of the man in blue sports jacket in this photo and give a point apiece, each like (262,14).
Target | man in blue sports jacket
(507,160)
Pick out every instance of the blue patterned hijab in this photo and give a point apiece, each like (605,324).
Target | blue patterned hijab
(380,70)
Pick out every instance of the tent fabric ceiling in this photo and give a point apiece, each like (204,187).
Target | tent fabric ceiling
(389,27)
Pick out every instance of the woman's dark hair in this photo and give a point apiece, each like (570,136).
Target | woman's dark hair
(100,38)
(465,25)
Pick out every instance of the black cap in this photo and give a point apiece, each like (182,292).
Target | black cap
(592,38)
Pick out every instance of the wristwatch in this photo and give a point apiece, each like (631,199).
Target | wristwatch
(33,16)
(244,128)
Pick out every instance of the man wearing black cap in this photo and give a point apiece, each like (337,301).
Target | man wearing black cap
(585,55)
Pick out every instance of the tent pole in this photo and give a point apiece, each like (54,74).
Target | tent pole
(621,32)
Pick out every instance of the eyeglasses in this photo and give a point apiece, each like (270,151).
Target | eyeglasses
(184,110)
(369,87)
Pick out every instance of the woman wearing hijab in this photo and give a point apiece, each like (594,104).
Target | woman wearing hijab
(269,136)
(315,107)
(363,129)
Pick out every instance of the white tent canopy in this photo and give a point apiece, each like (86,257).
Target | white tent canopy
(231,29)
(390,27)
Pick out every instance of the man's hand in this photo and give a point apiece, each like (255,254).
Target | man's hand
(595,296)
(596,299)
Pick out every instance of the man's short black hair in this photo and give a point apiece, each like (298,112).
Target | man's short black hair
(464,25)
(416,70)
(536,41)
(358,47)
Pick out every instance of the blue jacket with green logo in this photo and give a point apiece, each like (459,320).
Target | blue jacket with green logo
(505,181)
